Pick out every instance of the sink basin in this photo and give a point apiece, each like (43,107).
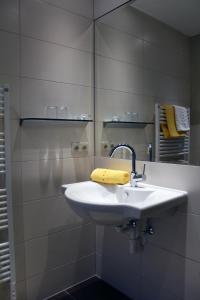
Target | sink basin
(116,204)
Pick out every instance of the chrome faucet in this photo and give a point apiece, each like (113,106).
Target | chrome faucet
(134,176)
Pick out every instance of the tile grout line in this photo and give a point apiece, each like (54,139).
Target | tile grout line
(53,233)
(52,269)
(67,10)
(26,36)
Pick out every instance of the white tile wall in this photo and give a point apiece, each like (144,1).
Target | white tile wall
(44,67)
(54,62)
(39,218)
(164,36)
(21,290)
(125,264)
(118,45)
(126,20)
(55,25)
(9,53)
(139,62)
(170,261)
(195,129)
(47,253)
(117,75)
(52,143)
(15,137)
(42,179)
(9,15)
(195,108)
(46,58)
(116,136)
(110,102)
(172,273)
(104,6)
(48,283)
(17,182)
(37,94)
(14,94)
(79,7)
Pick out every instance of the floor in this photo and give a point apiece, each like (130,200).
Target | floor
(92,289)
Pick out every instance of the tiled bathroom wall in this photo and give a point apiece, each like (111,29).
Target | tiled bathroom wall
(139,62)
(195,107)
(46,58)
(168,267)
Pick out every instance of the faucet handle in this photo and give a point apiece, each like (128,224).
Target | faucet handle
(139,177)
(143,172)
(144,168)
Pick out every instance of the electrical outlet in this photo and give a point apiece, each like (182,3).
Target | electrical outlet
(79,148)
(83,146)
(75,147)
(112,145)
(105,146)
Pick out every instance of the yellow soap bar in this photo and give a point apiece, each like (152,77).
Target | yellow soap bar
(110,176)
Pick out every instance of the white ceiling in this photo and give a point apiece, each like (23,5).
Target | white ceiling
(183,15)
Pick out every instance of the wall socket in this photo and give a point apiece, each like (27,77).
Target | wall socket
(106,146)
(79,147)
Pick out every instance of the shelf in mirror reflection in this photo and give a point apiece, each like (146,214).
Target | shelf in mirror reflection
(69,122)
(126,124)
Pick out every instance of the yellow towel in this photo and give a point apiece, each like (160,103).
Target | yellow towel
(171,123)
(165,130)
(110,176)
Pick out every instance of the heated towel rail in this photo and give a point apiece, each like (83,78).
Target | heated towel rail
(7,262)
(175,150)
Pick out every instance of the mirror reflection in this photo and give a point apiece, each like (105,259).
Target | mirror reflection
(147,68)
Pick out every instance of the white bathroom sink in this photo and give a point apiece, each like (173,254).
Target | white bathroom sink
(115,204)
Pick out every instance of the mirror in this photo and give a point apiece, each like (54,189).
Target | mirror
(147,67)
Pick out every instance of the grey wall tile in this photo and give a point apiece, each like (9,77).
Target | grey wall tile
(170,262)
(9,14)
(49,23)
(82,7)
(171,273)
(46,284)
(116,75)
(37,94)
(46,253)
(126,20)
(50,142)
(53,62)
(118,45)
(39,218)
(21,290)
(9,53)
(41,179)
(14,97)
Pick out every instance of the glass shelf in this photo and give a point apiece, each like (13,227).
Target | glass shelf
(70,122)
(126,124)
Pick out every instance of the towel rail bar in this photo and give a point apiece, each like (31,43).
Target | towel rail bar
(173,149)
(7,257)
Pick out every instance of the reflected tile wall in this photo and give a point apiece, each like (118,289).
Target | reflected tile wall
(139,62)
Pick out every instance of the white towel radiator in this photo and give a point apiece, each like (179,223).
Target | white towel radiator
(7,259)
(174,150)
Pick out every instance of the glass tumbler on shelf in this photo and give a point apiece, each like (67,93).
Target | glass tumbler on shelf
(51,112)
(62,112)
(115,118)
(85,117)
(131,116)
